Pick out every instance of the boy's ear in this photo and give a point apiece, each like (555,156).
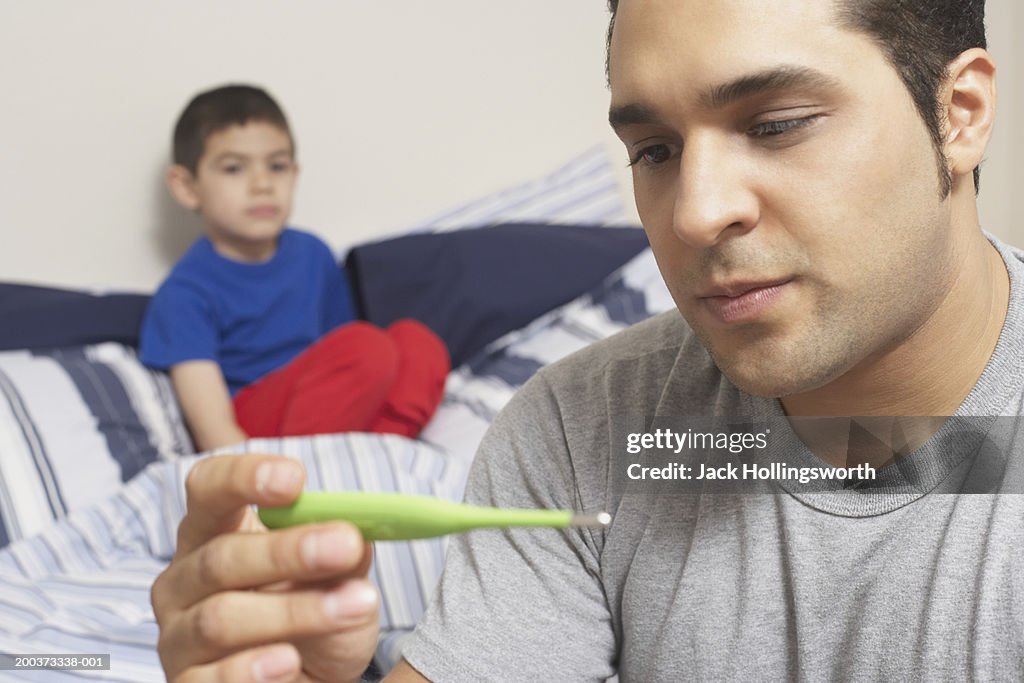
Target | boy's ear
(969,97)
(182,186)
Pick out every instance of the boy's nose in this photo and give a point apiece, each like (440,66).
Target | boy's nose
(259,181)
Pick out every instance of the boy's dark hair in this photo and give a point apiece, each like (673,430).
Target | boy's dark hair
(919,38)
(217,109)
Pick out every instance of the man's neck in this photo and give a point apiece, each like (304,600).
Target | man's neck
(932,371)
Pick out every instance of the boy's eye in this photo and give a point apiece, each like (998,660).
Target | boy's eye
(281,166)
(232,169)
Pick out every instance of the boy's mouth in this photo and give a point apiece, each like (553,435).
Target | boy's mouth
(263,211)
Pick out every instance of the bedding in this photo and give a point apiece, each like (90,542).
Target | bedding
(83,585)
(472,286)
(47,317)
(74,424)
(582,191)
(93,456)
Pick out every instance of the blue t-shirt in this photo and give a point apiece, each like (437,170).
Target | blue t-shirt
(250,318)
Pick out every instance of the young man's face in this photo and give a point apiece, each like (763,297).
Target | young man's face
(243,184)
(787,184)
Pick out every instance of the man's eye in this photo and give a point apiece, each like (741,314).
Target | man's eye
(280,166)
(652,156)
(772,128)
(231,169)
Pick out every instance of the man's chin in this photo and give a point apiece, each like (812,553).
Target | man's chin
(763,387)
(772,379)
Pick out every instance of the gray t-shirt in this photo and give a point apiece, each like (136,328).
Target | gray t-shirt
(922,583)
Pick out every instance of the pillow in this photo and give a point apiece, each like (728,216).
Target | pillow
(505,273)
(483,385)
(74,425)
(43,317)
(472,286)
(583,191)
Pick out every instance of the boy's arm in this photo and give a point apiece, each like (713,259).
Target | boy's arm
(206,404)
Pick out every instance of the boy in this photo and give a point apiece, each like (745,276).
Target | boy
(255,322)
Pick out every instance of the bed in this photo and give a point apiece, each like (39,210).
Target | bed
(93,450)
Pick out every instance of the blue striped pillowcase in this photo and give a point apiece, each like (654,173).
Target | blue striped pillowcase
(583,191)
(74,425)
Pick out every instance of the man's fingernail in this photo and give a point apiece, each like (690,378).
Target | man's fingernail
(331,548)
(277,477)
(353,600)
(276,665)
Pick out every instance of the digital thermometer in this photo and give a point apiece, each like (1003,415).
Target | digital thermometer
(400,517)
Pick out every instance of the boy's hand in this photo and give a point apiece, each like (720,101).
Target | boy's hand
(240,603)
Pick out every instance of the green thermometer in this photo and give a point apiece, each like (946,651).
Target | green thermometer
(399,517)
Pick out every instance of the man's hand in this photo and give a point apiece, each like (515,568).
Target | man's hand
(240,603)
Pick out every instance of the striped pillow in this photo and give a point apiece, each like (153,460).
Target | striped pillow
(584,191)
(74,425)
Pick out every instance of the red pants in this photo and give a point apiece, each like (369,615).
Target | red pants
(357,378)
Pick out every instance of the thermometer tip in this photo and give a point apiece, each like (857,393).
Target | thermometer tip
(600,519)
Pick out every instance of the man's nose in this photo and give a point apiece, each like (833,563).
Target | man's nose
(714,195)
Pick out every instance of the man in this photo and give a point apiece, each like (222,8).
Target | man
(806,173)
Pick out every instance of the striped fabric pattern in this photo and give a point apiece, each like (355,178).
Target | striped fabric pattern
(584,191)
(82,585)
(74,425)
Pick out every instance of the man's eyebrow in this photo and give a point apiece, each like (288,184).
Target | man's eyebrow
(778,78)
(719,96)
(630,114)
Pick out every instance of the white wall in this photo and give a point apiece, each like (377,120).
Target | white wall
(1000,172)
(400,109)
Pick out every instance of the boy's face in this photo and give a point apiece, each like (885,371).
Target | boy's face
(242,188)
(787,184)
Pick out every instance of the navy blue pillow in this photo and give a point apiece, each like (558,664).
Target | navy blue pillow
(472,286)
(42,317)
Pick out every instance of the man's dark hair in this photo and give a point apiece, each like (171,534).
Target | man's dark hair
(919,38)
(217,109)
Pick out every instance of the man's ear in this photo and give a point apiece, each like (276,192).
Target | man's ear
(969,98)
(182,186)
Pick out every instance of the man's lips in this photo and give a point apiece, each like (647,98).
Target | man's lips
(737,302)
(736,288)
